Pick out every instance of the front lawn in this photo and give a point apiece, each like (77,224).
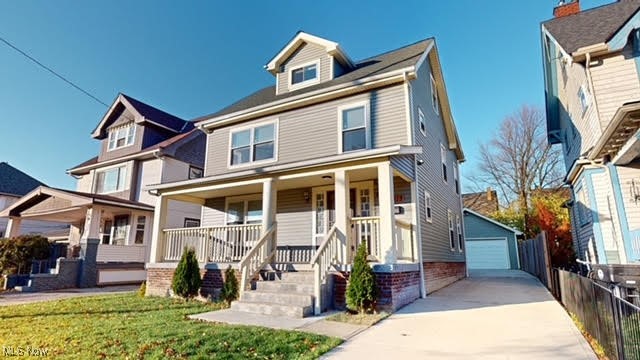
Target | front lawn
(127,326)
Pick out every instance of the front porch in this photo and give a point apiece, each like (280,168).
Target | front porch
(302,221)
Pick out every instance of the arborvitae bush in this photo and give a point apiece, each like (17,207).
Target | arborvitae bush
(362,291)
(142,291)
(230,287)
(186,280)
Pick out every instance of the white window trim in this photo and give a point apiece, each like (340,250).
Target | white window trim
(456,179)
(422,120)
(367,124)
(460,234)
(276,127)
(587,97)
(107,168)
(435,99)
(451,228)
(243,198)
(443,161)
(428,205)
(133,137)
(305,83)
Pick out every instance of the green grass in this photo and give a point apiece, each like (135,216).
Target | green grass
(127,326)
(358,319)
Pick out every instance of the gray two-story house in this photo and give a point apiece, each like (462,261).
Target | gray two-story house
(336,154)
(591,64)
(139,145)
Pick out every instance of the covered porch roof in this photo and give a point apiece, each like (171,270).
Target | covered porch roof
(620,140)
(51,204)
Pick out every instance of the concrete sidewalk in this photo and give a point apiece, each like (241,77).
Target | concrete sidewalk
(17,298)
(492,315)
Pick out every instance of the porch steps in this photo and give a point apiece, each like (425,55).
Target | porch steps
(288,294)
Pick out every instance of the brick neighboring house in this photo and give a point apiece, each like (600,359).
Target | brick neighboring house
(139,145)
(13,185)
(485,202)
(334,155)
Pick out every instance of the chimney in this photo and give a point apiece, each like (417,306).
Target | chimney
(566,8)
(489,193)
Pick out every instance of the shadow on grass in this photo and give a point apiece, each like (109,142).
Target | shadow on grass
(102,312)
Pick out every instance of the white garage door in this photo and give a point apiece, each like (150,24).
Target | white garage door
(487,254)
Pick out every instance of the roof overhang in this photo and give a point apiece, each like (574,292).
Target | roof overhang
(623,126)
(299,165)
(137,156)
(515,231)
(331,47)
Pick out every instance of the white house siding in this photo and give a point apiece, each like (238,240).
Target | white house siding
(629,177)
(435,235)
(615,82)
(149,172)
(583,229)
(84,183)
(178,211)
(312,132)
(608,217)
(306,53)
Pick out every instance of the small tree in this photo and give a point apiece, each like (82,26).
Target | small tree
(230,287)
(186,280)
(362,291)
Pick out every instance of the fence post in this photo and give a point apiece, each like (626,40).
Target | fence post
(617,325)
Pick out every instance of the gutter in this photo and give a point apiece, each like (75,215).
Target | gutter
(154,153)
(363,84)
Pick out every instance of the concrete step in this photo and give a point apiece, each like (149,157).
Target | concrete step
(300,277)
(278,298)
(272,309)
(285,287)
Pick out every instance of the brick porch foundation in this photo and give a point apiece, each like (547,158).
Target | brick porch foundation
(159,280)
(441,274)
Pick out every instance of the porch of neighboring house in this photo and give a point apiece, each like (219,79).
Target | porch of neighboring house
(299,228)
(121,228)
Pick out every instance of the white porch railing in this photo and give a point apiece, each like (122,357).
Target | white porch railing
(367,230)
(121,253)
(329,253)
(212,244)
(404,241)
(261,253)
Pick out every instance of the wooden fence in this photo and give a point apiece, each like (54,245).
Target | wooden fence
(534,258)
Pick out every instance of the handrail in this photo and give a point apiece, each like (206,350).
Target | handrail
(257,257)
(327,253)
(365,218)
(222,243)
(214,227)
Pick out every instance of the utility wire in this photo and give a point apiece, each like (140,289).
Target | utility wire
(23,53)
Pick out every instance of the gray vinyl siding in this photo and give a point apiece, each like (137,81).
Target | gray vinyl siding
(337,69)
(583,231)
(404,164)
(193,151)
(312,132)
(294,217)
(476,228)
(213,212)
(304,54)
(435,235)
(122,119)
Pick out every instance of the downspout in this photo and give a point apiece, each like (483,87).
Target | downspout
(591,89)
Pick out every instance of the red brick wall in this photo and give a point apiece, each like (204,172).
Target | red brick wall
(396,289)
(159,281)
(567,9)
(441,274)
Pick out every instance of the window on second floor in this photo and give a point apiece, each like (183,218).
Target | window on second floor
(428,208)
(255,144)
(456,181)
(452,238)
(307,73)
(111,180)
(434,96)
(354,128)
(585,98)
(443,159)
(459,230)
(422,121)
(195,172)
(121,136)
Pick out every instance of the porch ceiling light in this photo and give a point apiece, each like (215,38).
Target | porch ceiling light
(326,177)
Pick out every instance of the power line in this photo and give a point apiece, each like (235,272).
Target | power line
(23,53)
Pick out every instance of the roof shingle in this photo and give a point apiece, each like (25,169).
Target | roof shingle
(15,182)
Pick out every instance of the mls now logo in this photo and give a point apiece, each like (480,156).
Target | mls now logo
(24,351)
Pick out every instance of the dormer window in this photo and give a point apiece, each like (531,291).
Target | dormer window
(304,75)
(121,136)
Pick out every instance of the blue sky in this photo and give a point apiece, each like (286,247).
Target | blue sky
(193,58)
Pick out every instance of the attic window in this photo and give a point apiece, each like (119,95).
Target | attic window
(305,74)
(121,136)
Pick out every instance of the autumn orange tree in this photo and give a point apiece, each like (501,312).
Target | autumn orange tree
(549,215)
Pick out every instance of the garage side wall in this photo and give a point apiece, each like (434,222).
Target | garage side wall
(476,229)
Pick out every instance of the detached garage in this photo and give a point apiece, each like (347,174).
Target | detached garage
(489,244)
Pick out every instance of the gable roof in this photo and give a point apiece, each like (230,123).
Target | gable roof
(143,113)
(302,37)
(15,182)
(515,231)
(592,26)
(485,202)
(379,64)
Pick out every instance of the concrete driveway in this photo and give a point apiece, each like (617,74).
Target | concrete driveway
(17,298)
(491,315)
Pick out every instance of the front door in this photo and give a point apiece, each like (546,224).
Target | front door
(324,208)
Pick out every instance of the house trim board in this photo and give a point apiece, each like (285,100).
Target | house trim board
(597,231)
(622,214)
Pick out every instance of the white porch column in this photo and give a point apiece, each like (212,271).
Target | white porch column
(13,227)
(157,235)
(343,213)
(269,194)
(91,224)
(387,217)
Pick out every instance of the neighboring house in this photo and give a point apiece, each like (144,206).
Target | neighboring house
(334,155)
(485,202)
(13,185)
(591,65)
(140,145)
(489,243)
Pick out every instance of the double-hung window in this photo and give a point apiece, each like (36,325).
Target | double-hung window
(452,238)
(459,230)
(434,96)
(456,181)
(304,74)
(585,98)
(422,121)
(140,225)
(111,180)
(427,206)
(354,128)
(254,144)
(443,159)
(121,136)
